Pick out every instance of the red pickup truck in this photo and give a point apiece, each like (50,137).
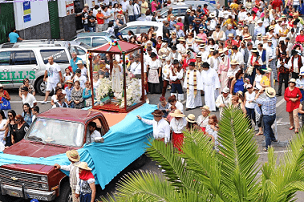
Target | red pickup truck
(45,138)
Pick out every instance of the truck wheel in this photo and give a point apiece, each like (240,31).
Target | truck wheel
(40,86)
(141,161)
(65,193)
(5,198)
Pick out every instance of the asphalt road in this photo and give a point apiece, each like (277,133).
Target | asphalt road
(283,135)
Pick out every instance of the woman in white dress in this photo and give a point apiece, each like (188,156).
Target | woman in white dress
(2,124)
(116,77)
(154,74)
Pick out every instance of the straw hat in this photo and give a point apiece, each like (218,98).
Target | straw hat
(191,118)
(181,39)
(79,62)
(69,81)
(270,92)
(267,70)
(177,113)
(271,28)
(226,90)
(234,62)
(157,113)
(84,166)
(292,80)
(73,155)
(205,108)
(230,35)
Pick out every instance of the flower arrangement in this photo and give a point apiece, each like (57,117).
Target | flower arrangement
(103,89)
(133,92)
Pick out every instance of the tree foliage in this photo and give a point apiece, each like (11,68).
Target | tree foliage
(231,174)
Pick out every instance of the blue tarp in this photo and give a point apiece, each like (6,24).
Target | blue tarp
(123,143)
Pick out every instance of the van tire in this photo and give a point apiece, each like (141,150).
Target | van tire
(40,86)
(65,194)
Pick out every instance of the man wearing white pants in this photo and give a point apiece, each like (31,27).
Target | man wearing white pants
(53,72)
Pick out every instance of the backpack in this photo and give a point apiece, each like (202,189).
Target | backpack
(6,105)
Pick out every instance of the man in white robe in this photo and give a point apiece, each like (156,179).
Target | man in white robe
(211,84)
(193,85)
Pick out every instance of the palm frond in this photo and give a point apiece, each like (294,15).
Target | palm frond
(166,156)
(239,162)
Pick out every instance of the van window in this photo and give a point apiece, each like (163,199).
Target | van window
(59,55)
(98,41)
(127,29)
(23,58)
(5,58)
(80,51)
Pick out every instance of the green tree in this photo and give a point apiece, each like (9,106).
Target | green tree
(202,174)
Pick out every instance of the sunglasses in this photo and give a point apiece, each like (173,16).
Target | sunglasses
(10,115)
(17,119)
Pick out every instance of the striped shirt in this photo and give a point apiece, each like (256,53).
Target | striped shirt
(268,105)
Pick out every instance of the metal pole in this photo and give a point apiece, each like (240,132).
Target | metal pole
(124,76)
(142,74)
(91,78)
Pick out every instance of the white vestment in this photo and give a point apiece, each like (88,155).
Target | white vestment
(211,82)
(193,102)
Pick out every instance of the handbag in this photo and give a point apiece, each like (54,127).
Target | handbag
(5,105)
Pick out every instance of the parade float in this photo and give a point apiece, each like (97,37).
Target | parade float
(26,168)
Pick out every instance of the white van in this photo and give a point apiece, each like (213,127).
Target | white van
(17,64)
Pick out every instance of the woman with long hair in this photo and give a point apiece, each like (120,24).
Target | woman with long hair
(237,83)
(19,129)
(27,113)
(258,78)
(191,123)
(8,128)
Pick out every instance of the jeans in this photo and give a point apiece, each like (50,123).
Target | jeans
(250,115)
(86,27)
(176,87)
(268,132)
(92,29)
(296,7)
(131,18)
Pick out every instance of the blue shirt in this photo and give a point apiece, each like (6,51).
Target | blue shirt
(74,64)
(268,105)
(259,30)
(229,32)
(13,37)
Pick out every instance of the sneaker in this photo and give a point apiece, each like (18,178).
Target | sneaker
(43,102)
(265,150)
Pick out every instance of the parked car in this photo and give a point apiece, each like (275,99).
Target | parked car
(30,62)
(92,39)
(51,135)
(77,47)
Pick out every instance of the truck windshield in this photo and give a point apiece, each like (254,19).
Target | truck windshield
(56,132)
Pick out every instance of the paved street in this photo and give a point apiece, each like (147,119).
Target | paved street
(284,134)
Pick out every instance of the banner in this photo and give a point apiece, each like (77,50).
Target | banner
(69,7)
(26,11)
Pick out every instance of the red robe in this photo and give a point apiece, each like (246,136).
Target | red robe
(295,93)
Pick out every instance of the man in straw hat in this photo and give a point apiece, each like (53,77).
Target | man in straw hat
(161,128)
(193,85)
(87,183)
(68,91)
(74,158)
(283,69)
(223,100)
(176,75)
(177,125)
(211,84)
(202,120)
(268,104)
(254,61)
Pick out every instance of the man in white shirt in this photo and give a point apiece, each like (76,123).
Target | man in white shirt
(130,11)
(238,56)
(173,102)
(53,72)
(92,133)
(124,4)
(136,10)
(161,128)
(242,15)
(106,16)
(223,100)
(295,63)
(27,97)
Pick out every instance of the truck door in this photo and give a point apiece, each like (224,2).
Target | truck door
(24,65)
(6,69)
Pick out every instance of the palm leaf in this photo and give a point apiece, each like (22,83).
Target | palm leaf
(239,162)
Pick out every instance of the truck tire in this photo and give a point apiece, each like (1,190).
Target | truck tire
(40,86)
(65,193)
(140,162)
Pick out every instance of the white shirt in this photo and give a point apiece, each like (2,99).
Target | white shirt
(161,129)
(177,126)
(135,68)
(130,9)
(81,79)
(124,5)
(30,99)
(91,138)
(250,97)
(53,72)
(202,121)
(136,9)
(69,168)
(179,106)
(231,72)
(238,57)
(296,67)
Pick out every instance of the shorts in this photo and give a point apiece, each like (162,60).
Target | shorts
(50,86)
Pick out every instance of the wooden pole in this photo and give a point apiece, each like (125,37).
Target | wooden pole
(142,74)
(91,78)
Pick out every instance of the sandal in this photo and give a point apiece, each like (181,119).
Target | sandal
(291,128)
(259,133)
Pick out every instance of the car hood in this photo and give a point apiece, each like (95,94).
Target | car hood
(34,149)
